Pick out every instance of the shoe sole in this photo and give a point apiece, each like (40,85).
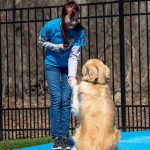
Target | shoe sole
(66,149)
(58,148)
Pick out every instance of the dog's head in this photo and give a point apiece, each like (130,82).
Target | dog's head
(95,71)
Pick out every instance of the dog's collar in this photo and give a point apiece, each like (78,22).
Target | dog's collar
(91,82)
(95,82)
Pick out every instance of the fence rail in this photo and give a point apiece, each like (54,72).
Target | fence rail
(117,32)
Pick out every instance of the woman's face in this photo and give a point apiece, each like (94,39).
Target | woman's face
(71,21)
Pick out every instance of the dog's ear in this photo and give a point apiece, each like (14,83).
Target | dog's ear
(104,74)
(84,70)
(107,73)
(85,76)
(90,73)
(101,77)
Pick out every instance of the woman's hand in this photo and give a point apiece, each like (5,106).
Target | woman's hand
(60,46)
(66,46)
(55,46)
(72,81)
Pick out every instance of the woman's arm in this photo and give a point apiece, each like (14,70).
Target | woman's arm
(73,61)
(45,43)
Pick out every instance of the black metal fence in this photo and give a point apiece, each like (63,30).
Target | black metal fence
(117,32)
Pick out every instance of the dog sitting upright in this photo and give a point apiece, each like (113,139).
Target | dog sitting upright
(93,104)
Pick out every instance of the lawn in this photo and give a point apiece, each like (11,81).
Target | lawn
(21,143)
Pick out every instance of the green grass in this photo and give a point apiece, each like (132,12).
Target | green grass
(21,143)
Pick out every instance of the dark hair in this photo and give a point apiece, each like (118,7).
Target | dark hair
(69,8)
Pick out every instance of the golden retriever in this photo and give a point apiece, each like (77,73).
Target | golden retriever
(93,104)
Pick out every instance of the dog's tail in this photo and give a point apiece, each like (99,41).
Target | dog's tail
(99,142)
(104,142)
(116,136)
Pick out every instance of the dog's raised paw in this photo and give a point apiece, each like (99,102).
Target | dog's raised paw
(75,110)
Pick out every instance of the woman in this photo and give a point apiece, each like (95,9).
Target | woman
(62,39)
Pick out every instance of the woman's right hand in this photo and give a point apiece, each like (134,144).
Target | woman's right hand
(56,46)
(72,81)
(60,46)
(63,46)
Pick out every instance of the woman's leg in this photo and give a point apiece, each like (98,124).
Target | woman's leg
(66,98)
(53,77)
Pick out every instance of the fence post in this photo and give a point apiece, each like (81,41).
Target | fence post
(1,131)
(122,64)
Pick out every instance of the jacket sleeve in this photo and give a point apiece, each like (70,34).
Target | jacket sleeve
(73,61)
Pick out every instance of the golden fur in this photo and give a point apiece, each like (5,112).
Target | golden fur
(96,109)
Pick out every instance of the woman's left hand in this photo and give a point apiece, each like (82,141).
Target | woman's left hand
(72,81)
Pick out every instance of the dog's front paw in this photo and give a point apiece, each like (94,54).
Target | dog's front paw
(75,111)
(75,101)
